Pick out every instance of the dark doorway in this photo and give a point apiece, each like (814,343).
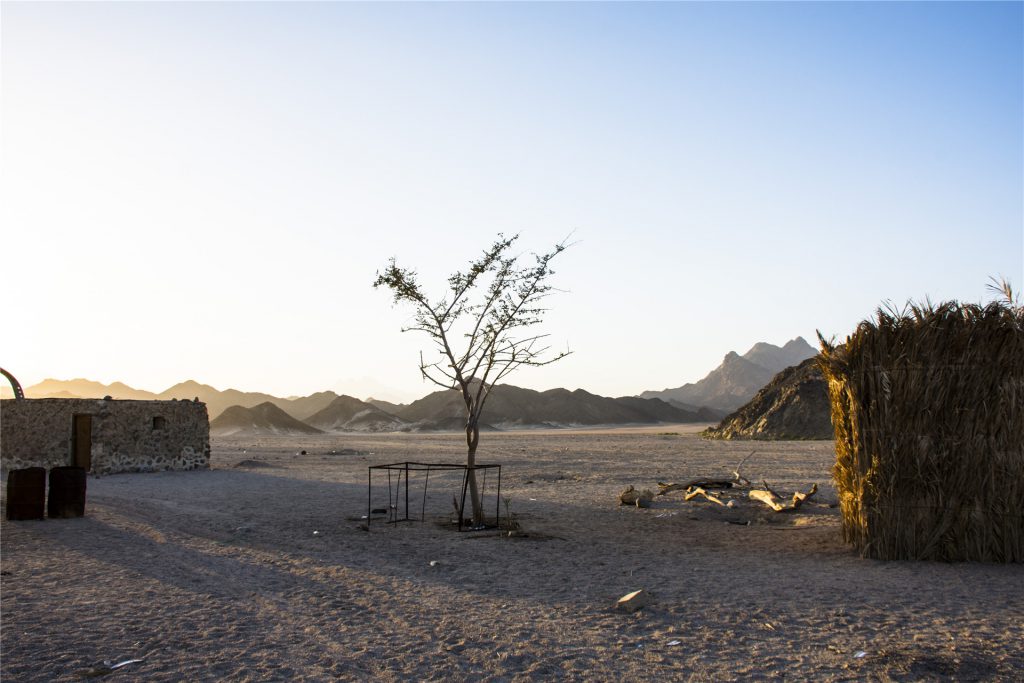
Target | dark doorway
(81,442)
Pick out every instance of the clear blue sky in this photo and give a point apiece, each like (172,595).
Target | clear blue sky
(200,190)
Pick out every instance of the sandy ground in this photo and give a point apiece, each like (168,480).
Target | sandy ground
(261,569)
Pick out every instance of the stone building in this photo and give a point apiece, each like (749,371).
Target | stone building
(104,435)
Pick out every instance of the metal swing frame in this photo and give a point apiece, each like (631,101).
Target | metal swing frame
(399,470)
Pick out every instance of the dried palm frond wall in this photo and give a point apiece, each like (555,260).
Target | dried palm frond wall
(928,410)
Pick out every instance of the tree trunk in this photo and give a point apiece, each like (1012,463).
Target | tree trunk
(472,440)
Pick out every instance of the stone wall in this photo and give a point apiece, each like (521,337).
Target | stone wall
(127,436)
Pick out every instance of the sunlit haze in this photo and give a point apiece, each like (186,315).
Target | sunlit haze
(206,191)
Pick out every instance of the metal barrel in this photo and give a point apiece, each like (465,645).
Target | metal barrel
(67,492)
(26,493)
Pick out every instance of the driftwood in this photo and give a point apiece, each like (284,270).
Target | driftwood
(769,489)
(770,498)
(699,488)
(698,491)
(765,497)
(739,478)
(799,498)
(707,482)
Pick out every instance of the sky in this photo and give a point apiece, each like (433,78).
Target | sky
(207,190)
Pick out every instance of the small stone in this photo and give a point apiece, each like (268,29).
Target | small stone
(631,602)
(434,563)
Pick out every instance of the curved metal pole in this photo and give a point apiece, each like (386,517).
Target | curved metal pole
(15,384)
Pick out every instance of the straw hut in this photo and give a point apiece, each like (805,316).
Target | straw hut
(928,410)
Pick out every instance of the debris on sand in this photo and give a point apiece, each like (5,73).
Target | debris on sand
(106,668)
(256,464)
(349,451)
(641,499)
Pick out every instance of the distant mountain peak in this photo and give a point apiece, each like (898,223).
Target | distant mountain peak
(347,413)
(776,358)
(189,386)
(739,378)
(731,357)
(263,418)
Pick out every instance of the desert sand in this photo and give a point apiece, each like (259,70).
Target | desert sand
(262,569)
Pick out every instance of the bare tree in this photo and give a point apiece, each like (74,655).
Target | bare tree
(478,329)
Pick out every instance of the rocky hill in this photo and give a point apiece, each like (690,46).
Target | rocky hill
(217,401)
(347,414)
(794,405)
(738,378)
(386,406)
(259,420)
(305,407)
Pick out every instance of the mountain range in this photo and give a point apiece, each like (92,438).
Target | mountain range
(508,407)
(724,389)
(738,378)
(216,401)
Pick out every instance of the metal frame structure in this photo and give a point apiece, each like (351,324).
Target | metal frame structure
(395,474)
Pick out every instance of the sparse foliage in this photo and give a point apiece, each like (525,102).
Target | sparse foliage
(480,328)
(1002,287)
(512,525)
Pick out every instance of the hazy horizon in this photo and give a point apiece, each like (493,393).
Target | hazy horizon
(206,190)
(362,387)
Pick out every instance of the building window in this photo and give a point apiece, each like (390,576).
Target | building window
(158,422)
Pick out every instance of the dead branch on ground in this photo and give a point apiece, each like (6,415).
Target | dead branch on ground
(690,495)
(702,482)
(771,499)
(739,478)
